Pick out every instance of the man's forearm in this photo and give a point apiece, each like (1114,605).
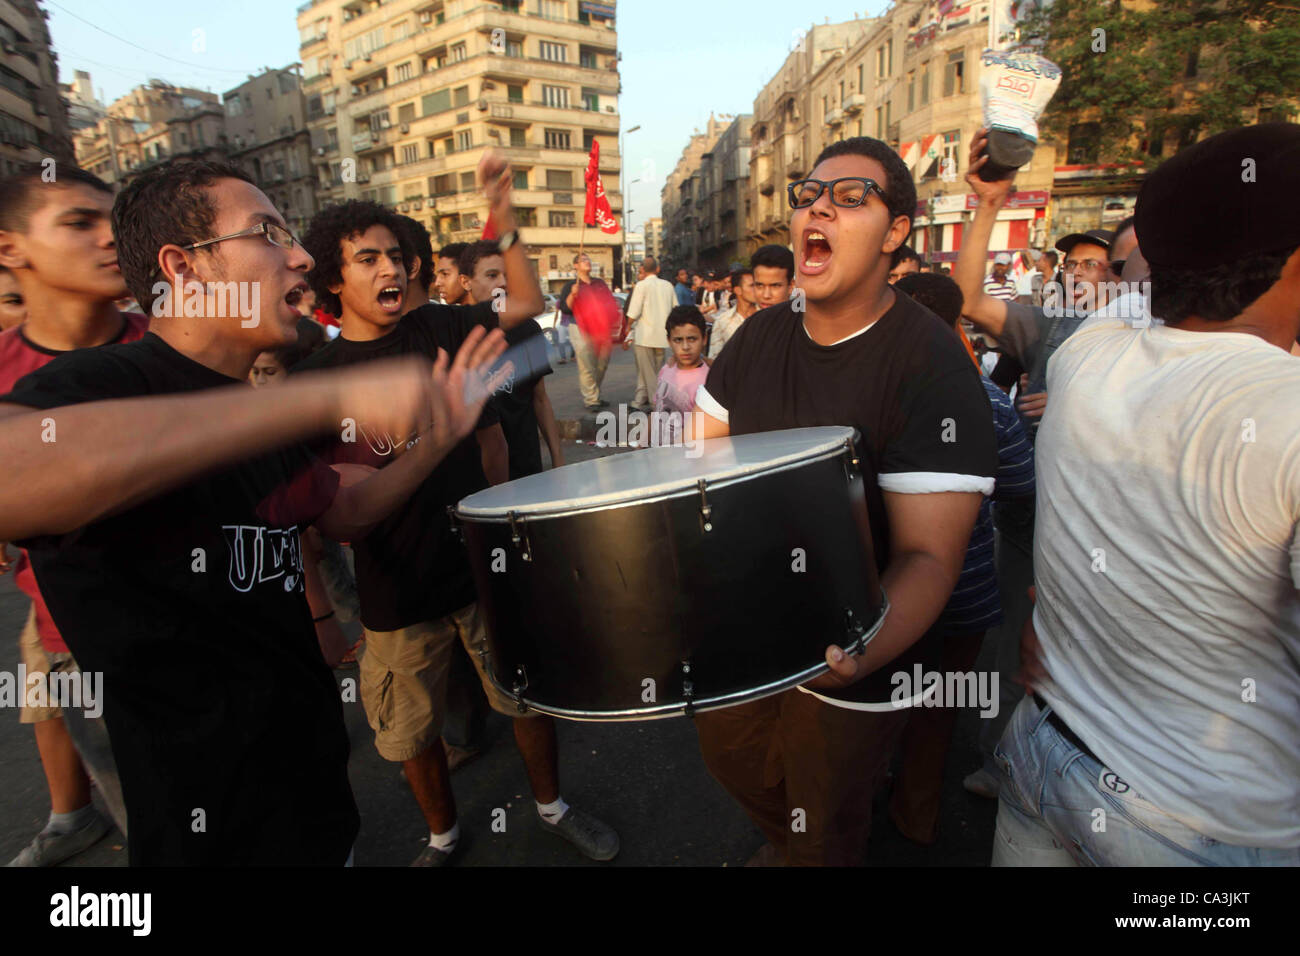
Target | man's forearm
(547,424)
(918,586)
(107,456)
(523,293)
(494,454)
(968,271)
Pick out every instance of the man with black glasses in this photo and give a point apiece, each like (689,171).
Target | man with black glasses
(860,354)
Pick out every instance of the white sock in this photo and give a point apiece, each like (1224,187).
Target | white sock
(553,812)
(71,821)
(446,842)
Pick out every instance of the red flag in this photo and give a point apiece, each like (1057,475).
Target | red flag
(597,211)
(489,228)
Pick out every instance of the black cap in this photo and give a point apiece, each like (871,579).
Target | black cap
(1223,199)
(1098,237)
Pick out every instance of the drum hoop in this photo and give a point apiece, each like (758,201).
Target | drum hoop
(663,711)
(688,492)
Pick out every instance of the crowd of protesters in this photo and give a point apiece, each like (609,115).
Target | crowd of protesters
(1144,480)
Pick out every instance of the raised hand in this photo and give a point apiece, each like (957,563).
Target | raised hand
(995,193)
(460,390)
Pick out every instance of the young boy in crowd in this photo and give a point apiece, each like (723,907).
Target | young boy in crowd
(58,253)
(681,378)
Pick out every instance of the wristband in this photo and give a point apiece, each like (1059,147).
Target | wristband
(508,240)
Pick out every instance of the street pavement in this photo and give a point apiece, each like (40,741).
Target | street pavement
(646,779)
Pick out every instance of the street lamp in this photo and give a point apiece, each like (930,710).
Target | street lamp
(622,190)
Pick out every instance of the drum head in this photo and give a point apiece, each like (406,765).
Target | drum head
(653,473)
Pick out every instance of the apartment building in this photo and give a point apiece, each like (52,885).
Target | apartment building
(402,98)
(683,219)
(724,201)
(33,117)
(782,146)
(84,109)
(912,80)
(653,229)
(152,124)
(266,131)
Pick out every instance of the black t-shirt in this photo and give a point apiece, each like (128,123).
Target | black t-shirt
(514,400)
(412,567)
(192,607)
(905,383)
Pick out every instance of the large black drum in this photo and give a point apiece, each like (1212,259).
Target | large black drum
(671,580)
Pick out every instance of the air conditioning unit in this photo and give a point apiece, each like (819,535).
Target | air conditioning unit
(366,58)
(483,103)
(426,17)
(330,111)
(406,127)
(320,150)
(417,205)
(404,207)
(609,109)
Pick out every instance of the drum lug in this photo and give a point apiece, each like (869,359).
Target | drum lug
(519,538)
(852,464)
(706,509)
(688,689)
(854,629)
(456,529)
(520,685)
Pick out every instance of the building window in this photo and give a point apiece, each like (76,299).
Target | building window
(464,140)
(527,217)
(406,113)
(403,72)
(564,220)
(555,262)
(460,96)
(552,9)
(514,93)
(862,86)
(911,91)
(442,185)
(400,29)
(925,82)
(515,49)
(467,182)
(458,52)
(555,52)
(587,59)
(559,179)
(557,139)
(411,153)
(521,179)
(379,120)
(954,73)
(880,122)
(951,152)
(518,136)
(436,102)
(1085,144)
(557,96)
(449,146)
(591,102)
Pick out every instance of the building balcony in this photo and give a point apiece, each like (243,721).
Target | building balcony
(855,103)
(835,118)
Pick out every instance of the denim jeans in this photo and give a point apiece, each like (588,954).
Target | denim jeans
(1060,807)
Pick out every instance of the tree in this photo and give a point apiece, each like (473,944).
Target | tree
(1138,76)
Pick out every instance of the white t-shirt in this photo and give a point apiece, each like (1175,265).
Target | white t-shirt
(1172,460)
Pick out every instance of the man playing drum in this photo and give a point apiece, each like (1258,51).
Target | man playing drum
(849,350)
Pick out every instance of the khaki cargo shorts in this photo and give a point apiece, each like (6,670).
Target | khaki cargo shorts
(404,681)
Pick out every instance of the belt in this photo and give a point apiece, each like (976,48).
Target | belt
(1062,728)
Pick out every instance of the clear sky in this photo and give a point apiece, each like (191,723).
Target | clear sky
(681,58)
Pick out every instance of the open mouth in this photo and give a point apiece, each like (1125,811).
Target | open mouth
(390,298)
(295,295)
(816,251)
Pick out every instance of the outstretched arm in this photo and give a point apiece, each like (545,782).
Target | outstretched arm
(107,456)
(988,312)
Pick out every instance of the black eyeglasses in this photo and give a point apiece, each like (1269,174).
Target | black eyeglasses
(849,192)
(275,234)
